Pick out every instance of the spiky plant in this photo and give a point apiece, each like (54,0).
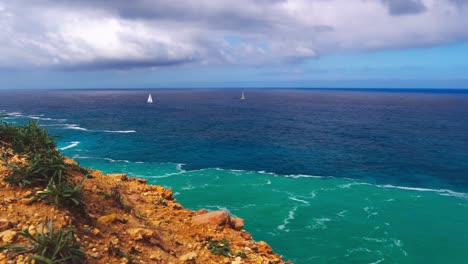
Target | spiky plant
(49,246)
(221,247)
(61,193)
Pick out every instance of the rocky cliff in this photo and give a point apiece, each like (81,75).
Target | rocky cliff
(124,220)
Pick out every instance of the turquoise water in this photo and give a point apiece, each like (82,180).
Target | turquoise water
(313,219)
(335,177)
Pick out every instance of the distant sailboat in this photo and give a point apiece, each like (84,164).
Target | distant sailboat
(243,96)
(150,99)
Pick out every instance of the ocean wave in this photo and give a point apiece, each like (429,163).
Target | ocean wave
(319,223)
(342,213)
(378,261)
(13,115)
(188,187)
(443,192)
(288,219)
(296,176)
(369,212)
(41,117)
(99,158)
(179,167)
(294,198)
(77,127)
(74,127)
(352,183)
(72,145)
(115,131)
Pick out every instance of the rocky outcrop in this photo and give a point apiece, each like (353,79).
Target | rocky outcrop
(217,218)
(237,223)
(126,218)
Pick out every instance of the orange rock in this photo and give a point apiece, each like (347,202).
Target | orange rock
(8,236)
(121,176)
(165,193)
(4,224)
(263,247)
(237,223)
(106,219)
(218,218)
(140,233)
(201,211)
(246,235)
(97,173)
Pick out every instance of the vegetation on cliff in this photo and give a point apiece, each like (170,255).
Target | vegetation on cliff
(54,211)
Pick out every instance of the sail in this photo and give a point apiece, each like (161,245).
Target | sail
(150,99)
(243,96)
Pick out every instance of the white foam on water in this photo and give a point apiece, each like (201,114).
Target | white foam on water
(294,198)
(179,167)
(287,220)
(296,176)
(443,192)
(371,239)
(319,223)
(115,131)
(188,187)
(397,242)
(41,117)
(267,173)
(378,261)
(99,158)
(15,114)
(75,127)
(72,145)
(342,213)
(167,175)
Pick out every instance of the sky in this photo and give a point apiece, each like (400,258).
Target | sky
(242,43)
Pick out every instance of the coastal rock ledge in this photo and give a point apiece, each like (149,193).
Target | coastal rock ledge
(125,220)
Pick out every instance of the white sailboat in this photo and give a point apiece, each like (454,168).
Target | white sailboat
(243,96)
(150,99)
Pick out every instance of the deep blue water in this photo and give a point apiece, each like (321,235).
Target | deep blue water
(404,138)
(397,161)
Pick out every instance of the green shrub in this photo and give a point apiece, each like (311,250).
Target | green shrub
(45,166)
(241,254)
(51,247)
(38,171)
(25,139)
(61,193)
(220,247)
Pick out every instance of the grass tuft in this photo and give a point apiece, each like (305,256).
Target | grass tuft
(42,164)
(220,247)
(50,246)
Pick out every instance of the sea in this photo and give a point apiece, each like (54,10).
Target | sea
(323,176)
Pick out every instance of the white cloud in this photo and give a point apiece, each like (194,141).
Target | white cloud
(143,33)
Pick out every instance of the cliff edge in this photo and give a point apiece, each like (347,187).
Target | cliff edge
(118,219)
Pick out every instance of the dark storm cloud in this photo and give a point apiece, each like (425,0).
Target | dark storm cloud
(405,7)
(105,64)
(124,34)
